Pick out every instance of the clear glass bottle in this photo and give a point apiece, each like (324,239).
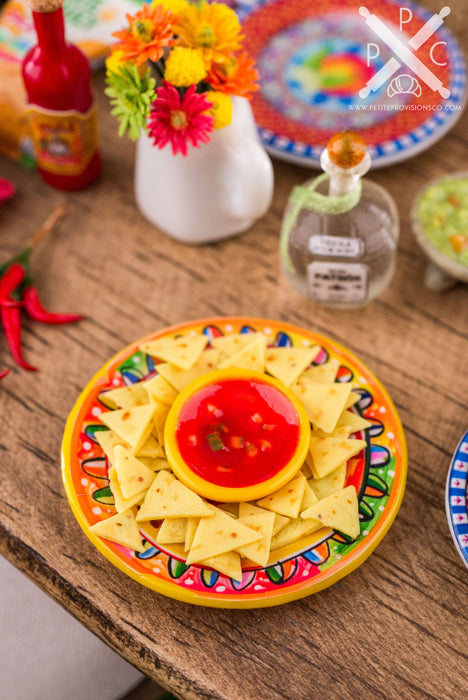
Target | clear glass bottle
(339,234)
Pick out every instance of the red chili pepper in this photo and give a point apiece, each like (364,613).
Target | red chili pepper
(10,280)
(4,373)
(34,308)
(11,320)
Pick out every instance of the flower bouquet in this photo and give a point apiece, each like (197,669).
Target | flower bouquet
(178,77)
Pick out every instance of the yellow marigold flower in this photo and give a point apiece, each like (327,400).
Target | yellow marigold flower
(221,110)
(184,67)
(116,60)
(178,7)
(213,28)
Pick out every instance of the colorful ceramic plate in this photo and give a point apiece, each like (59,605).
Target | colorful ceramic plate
(305,567)
(312,56)
(456,498)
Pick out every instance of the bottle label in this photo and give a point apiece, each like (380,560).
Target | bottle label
(64,142)
(336,246)
(337,282)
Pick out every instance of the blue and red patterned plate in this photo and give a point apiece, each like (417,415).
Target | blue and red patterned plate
(456,497)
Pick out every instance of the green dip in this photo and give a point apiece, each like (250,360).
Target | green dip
(443,214)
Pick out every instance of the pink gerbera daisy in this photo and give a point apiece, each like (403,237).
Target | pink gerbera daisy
(178,120)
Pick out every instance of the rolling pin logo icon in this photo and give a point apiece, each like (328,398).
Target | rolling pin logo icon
(404,52)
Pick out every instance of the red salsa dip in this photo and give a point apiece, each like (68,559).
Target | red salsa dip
(237,432)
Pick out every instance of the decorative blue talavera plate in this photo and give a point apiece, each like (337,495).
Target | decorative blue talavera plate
(456,496)
(390,69)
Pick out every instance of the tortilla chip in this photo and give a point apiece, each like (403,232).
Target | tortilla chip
(323,403)
(151,448)
(128,396)
(246,509)
(353,398)
(229,345)
(182,352)
(330,483)
(122,504)
(309,498)
(219,534)
(131,424)
(172,530)
(230,508)
(294,530)
(132,474)
(161,411)
(190,530)
(339,511)
(228,564)
(155,463)
(341,431)
(329,453)
(286,364)
(155,494)
(180,378)
(176,501)
(121,528)
(258,552)
(108,440)
(323,374)
(288,499)
(353,421)
(251,357)
(159,388)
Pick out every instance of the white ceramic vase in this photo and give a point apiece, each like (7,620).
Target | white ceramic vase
(216,191)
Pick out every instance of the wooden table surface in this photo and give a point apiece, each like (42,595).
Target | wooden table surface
(394,628)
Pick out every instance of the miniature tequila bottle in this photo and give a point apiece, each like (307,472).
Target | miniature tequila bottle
(339,234)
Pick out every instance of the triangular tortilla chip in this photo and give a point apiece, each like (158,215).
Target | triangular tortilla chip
(329,453)
(182,352)
(251,357)
(228,564)
(155,495)
(128,396)
(294,530)
(190,530)
(172,530)
(288,499)
(161,411)
(258,552)
(309,498)
(121,528)
(108,440)
(353,398)
(330,483)
(151,448)
(230,345)
(155,463)
(122,504)
(159,388)
(341,431)
(219,534)
(180,378)
(353,421)
(132,474)
(339,511)
(286,364)
(132,424)
(246,509)
(323,374)
(177,501)
(323,403)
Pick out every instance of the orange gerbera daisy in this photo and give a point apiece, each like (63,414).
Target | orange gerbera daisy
(149,31)
(235,76)
(213,28)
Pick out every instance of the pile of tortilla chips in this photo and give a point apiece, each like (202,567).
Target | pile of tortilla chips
(227,537)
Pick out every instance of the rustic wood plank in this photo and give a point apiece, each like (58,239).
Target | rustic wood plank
(396,627)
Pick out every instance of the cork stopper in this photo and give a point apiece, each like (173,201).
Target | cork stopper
(346,149)
(45,5)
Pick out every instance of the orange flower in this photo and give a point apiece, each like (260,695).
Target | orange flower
(149,32)
(236,76)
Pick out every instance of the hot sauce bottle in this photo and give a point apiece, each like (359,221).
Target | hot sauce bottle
(61,109)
